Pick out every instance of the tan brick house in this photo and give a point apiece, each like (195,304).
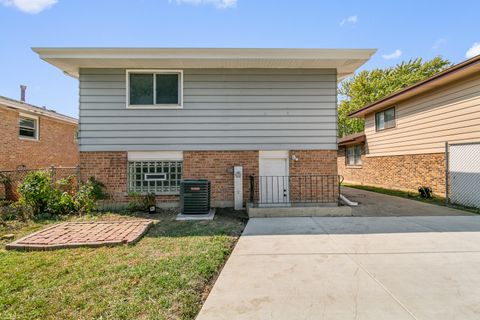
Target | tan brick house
(404,143)
(150,117)
(33,137)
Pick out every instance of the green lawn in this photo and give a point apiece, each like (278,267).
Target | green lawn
(166,275)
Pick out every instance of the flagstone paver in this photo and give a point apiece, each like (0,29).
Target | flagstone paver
(83,234)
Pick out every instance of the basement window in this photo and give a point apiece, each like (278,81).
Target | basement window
(385,119)
(155,89)
(159,177)
(354,155)
(28,127)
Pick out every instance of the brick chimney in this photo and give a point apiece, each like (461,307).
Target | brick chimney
(23,88)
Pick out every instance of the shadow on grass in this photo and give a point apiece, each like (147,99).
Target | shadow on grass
(226,222)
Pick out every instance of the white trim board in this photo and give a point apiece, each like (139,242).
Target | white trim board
(273,154)
(155,155)
(37,126)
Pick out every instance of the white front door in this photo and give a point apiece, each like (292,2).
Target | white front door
(273,179)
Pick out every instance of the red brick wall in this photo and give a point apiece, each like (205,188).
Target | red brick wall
(56,146)
(321,165)
(404,172)
(107,167)
(319,162)
(111,169)
(217,166)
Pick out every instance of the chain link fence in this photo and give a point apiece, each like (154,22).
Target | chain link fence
(117,201)
(463,174)
(11,179)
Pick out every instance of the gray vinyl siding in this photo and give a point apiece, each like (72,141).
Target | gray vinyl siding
(223,109)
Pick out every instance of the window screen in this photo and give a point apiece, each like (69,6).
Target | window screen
(167,88)
(28,128)
(354,155)
(385,119)
(141,89)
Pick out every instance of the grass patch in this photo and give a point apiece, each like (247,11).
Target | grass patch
(164,276)
(437,200)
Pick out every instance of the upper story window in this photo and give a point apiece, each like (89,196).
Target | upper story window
(28,127)
(385,119)
(155,88)
(354,155)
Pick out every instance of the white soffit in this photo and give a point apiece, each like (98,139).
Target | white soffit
(70,60)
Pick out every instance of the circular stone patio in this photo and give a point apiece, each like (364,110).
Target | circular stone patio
(83,234)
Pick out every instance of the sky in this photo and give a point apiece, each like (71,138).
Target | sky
(400,30)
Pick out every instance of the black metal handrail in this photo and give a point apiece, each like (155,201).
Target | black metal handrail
(294,190)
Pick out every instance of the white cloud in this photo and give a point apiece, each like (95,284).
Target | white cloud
(221,4)
(29,6)
(440,42)
(473,51)
(350,20)
(394,55)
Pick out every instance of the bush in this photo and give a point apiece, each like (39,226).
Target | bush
(135,203)
(36,192)
(140,203)
(61,203)
(68,185)
(38,195)
(85,199)
(149,201)
(14,211)
(98,191)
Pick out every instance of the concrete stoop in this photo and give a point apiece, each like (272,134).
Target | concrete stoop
(280,212)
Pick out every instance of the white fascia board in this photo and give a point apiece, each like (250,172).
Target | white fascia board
(70,60)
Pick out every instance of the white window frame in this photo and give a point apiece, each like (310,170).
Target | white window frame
(37,126)
(155,72)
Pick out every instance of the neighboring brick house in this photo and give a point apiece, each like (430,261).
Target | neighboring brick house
(32,137)
(403,146)
(151,117)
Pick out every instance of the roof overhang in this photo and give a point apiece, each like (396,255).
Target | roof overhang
(356,138)
(70,60)
(18,105)
(452,74)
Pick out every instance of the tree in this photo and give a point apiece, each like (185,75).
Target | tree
(369,86)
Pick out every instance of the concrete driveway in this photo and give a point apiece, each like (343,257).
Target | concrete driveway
(373,204)
(351,268)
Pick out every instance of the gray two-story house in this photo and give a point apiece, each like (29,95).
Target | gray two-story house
(150,117)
